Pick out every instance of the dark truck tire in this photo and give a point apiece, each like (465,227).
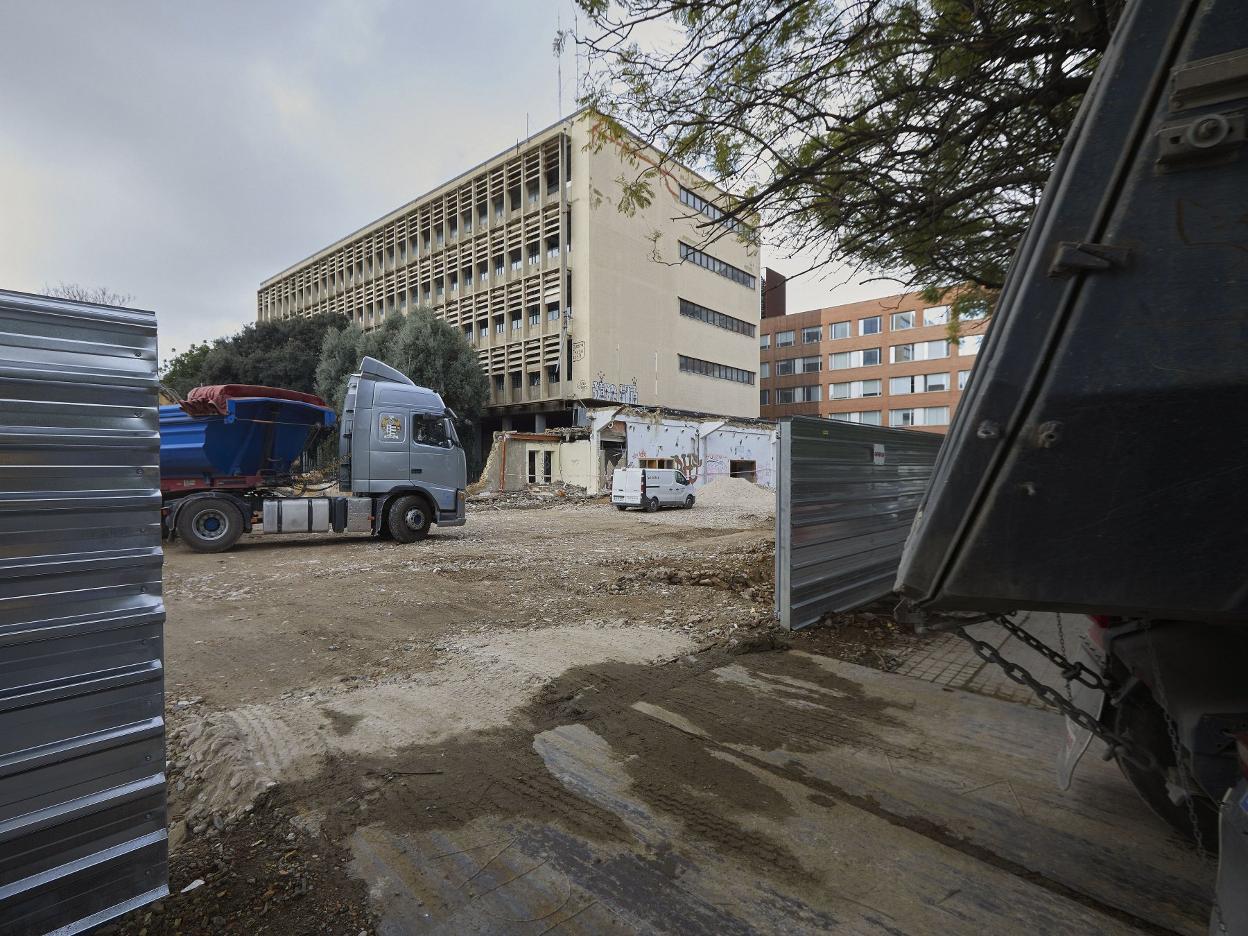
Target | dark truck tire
(408,519)
(210,524)
(652,505)
(1141,719)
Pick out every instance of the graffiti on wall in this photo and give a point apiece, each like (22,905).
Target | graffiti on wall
(688,465)
(617,393)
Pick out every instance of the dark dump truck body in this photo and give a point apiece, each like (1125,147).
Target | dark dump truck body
(1099,461)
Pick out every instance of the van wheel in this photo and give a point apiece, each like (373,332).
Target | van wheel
(688,502)
(621,506)
(211,524)
(652,505)
(408,519)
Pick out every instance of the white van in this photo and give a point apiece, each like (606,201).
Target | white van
(650,488)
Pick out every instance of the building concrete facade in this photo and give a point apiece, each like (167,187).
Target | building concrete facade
(568,301)
(884,362)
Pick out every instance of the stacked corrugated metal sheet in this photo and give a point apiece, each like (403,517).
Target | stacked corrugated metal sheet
(846,496)
(82,784)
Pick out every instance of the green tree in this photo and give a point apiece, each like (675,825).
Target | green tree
(181,372)
(431,352)
(909,138)
(280,353)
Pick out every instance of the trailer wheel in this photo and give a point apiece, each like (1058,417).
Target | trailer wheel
(1142,720)
(210,524)
(408,519)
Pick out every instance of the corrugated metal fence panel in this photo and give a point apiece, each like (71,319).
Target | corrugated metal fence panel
(846,497)
(82,783)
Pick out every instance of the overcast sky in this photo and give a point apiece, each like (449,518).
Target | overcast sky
(182,152)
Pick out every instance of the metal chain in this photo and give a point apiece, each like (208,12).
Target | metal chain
(1072,670)
(1053,697)
(1061,646)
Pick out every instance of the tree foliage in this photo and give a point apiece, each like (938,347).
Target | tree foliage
(278,353)
(909,138)
(97,295)
(431,352)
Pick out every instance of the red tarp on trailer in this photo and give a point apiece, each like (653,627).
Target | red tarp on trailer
(214,400)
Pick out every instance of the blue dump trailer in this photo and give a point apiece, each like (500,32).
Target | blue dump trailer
(256,441)
(226,453)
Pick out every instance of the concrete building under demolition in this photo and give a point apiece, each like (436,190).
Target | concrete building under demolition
(703,446)
(569,301)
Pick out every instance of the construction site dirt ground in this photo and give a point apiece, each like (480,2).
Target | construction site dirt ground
(568,719)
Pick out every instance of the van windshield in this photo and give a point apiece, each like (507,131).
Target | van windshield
(680,478)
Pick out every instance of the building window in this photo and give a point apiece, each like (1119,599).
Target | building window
(764,341)
(764,370)
(838,330)
(919,351)
(535,317)
(963,377)
(711,210)
(764,397)
(517,380)
(812,335)
(869,326)
(718,319)
(785,395)
(920,416)
(692,365)
(810,365)
(784,339)
(786,366)
(902,320)
(918,383)
(535,379)
(715,265)
(937,315)
(853,389)
(841,360)
(866,417)
(970,344)
(810,394)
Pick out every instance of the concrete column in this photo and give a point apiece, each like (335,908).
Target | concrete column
(506,424)
(539,422)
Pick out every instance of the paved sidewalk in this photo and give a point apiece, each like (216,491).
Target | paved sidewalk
(948,660)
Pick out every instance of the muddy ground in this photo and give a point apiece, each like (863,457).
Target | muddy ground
(562,719)
(278,650)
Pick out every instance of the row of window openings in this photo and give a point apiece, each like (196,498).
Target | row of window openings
(919,383)
(715,265)
(534,379)
(482,327)
(870,357)
(899,321)
(914,416)
(515,260)
(712,211)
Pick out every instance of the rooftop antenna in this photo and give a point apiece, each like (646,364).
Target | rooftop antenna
(557,48)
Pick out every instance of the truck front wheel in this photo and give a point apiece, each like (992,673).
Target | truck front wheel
(408,519)
(210,524)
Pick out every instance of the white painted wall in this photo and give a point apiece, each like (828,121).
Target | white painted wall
(703,448)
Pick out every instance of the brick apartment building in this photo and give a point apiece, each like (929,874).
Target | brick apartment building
(883,362)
